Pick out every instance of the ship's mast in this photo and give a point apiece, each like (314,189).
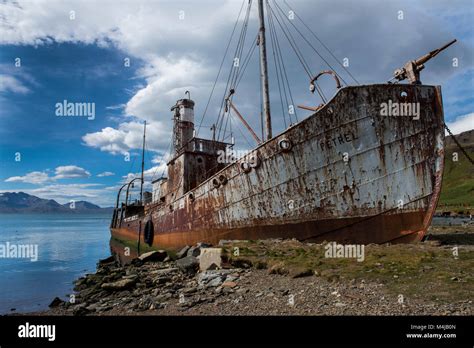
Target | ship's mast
(143,163)
(264,72)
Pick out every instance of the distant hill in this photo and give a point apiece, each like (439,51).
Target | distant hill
(20,202)
(458,178)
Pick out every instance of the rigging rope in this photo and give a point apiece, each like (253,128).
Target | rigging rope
(277,68)
(283,68)
(220,68)
(309,43)
(233,71)
(297,51)
(322,43)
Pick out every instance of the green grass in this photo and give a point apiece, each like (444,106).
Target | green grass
(416,270)
(457,192)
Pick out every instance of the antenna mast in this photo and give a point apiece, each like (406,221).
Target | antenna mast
(143,164)
(264,72)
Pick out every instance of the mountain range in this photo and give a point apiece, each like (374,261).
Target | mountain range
(20,202)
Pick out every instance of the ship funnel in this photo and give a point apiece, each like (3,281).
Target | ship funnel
(183,125)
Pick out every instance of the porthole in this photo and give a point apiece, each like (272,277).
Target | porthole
(245,166)
(222,179)
(254,161)
(285,145)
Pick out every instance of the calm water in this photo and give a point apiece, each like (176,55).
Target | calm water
(68,247)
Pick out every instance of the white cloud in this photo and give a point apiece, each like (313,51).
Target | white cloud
(101,175)
(61,172)
(176,55)
(31,178)
(150,174)
(128,136)
(12,84)
(462,123)
(137,27)
(167,80)
(67,172)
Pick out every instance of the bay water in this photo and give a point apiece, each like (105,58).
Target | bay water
(69,246)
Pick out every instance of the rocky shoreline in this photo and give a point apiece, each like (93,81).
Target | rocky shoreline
(259,283)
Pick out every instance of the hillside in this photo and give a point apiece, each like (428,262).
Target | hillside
(458,179)
(20,202)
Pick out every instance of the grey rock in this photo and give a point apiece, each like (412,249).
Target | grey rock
(196,249)
(183,252)
(80,309)
(215,282)
(188,264)
(56,302)
(205,277)
(159,255)
(119,285)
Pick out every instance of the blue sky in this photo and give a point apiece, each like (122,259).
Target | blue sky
(82,60)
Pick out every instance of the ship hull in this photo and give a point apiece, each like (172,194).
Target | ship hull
(351,174)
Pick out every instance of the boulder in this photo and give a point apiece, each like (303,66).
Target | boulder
(210,258)
(196,249)
(210,279)
(183,252)
(188,264)
(56,302)
(121,284)
(159,256)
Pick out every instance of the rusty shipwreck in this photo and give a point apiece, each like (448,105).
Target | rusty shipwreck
(347,173)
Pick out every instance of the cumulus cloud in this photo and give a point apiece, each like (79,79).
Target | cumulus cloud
(67,172)
(129,135)
(104,174)
(149,174)
(61,172)
(175,54)
(462,123)
(31,178)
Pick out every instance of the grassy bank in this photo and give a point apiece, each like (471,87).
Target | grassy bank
(421,271)
(457,193)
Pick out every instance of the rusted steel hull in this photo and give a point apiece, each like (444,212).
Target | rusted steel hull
(350,175)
